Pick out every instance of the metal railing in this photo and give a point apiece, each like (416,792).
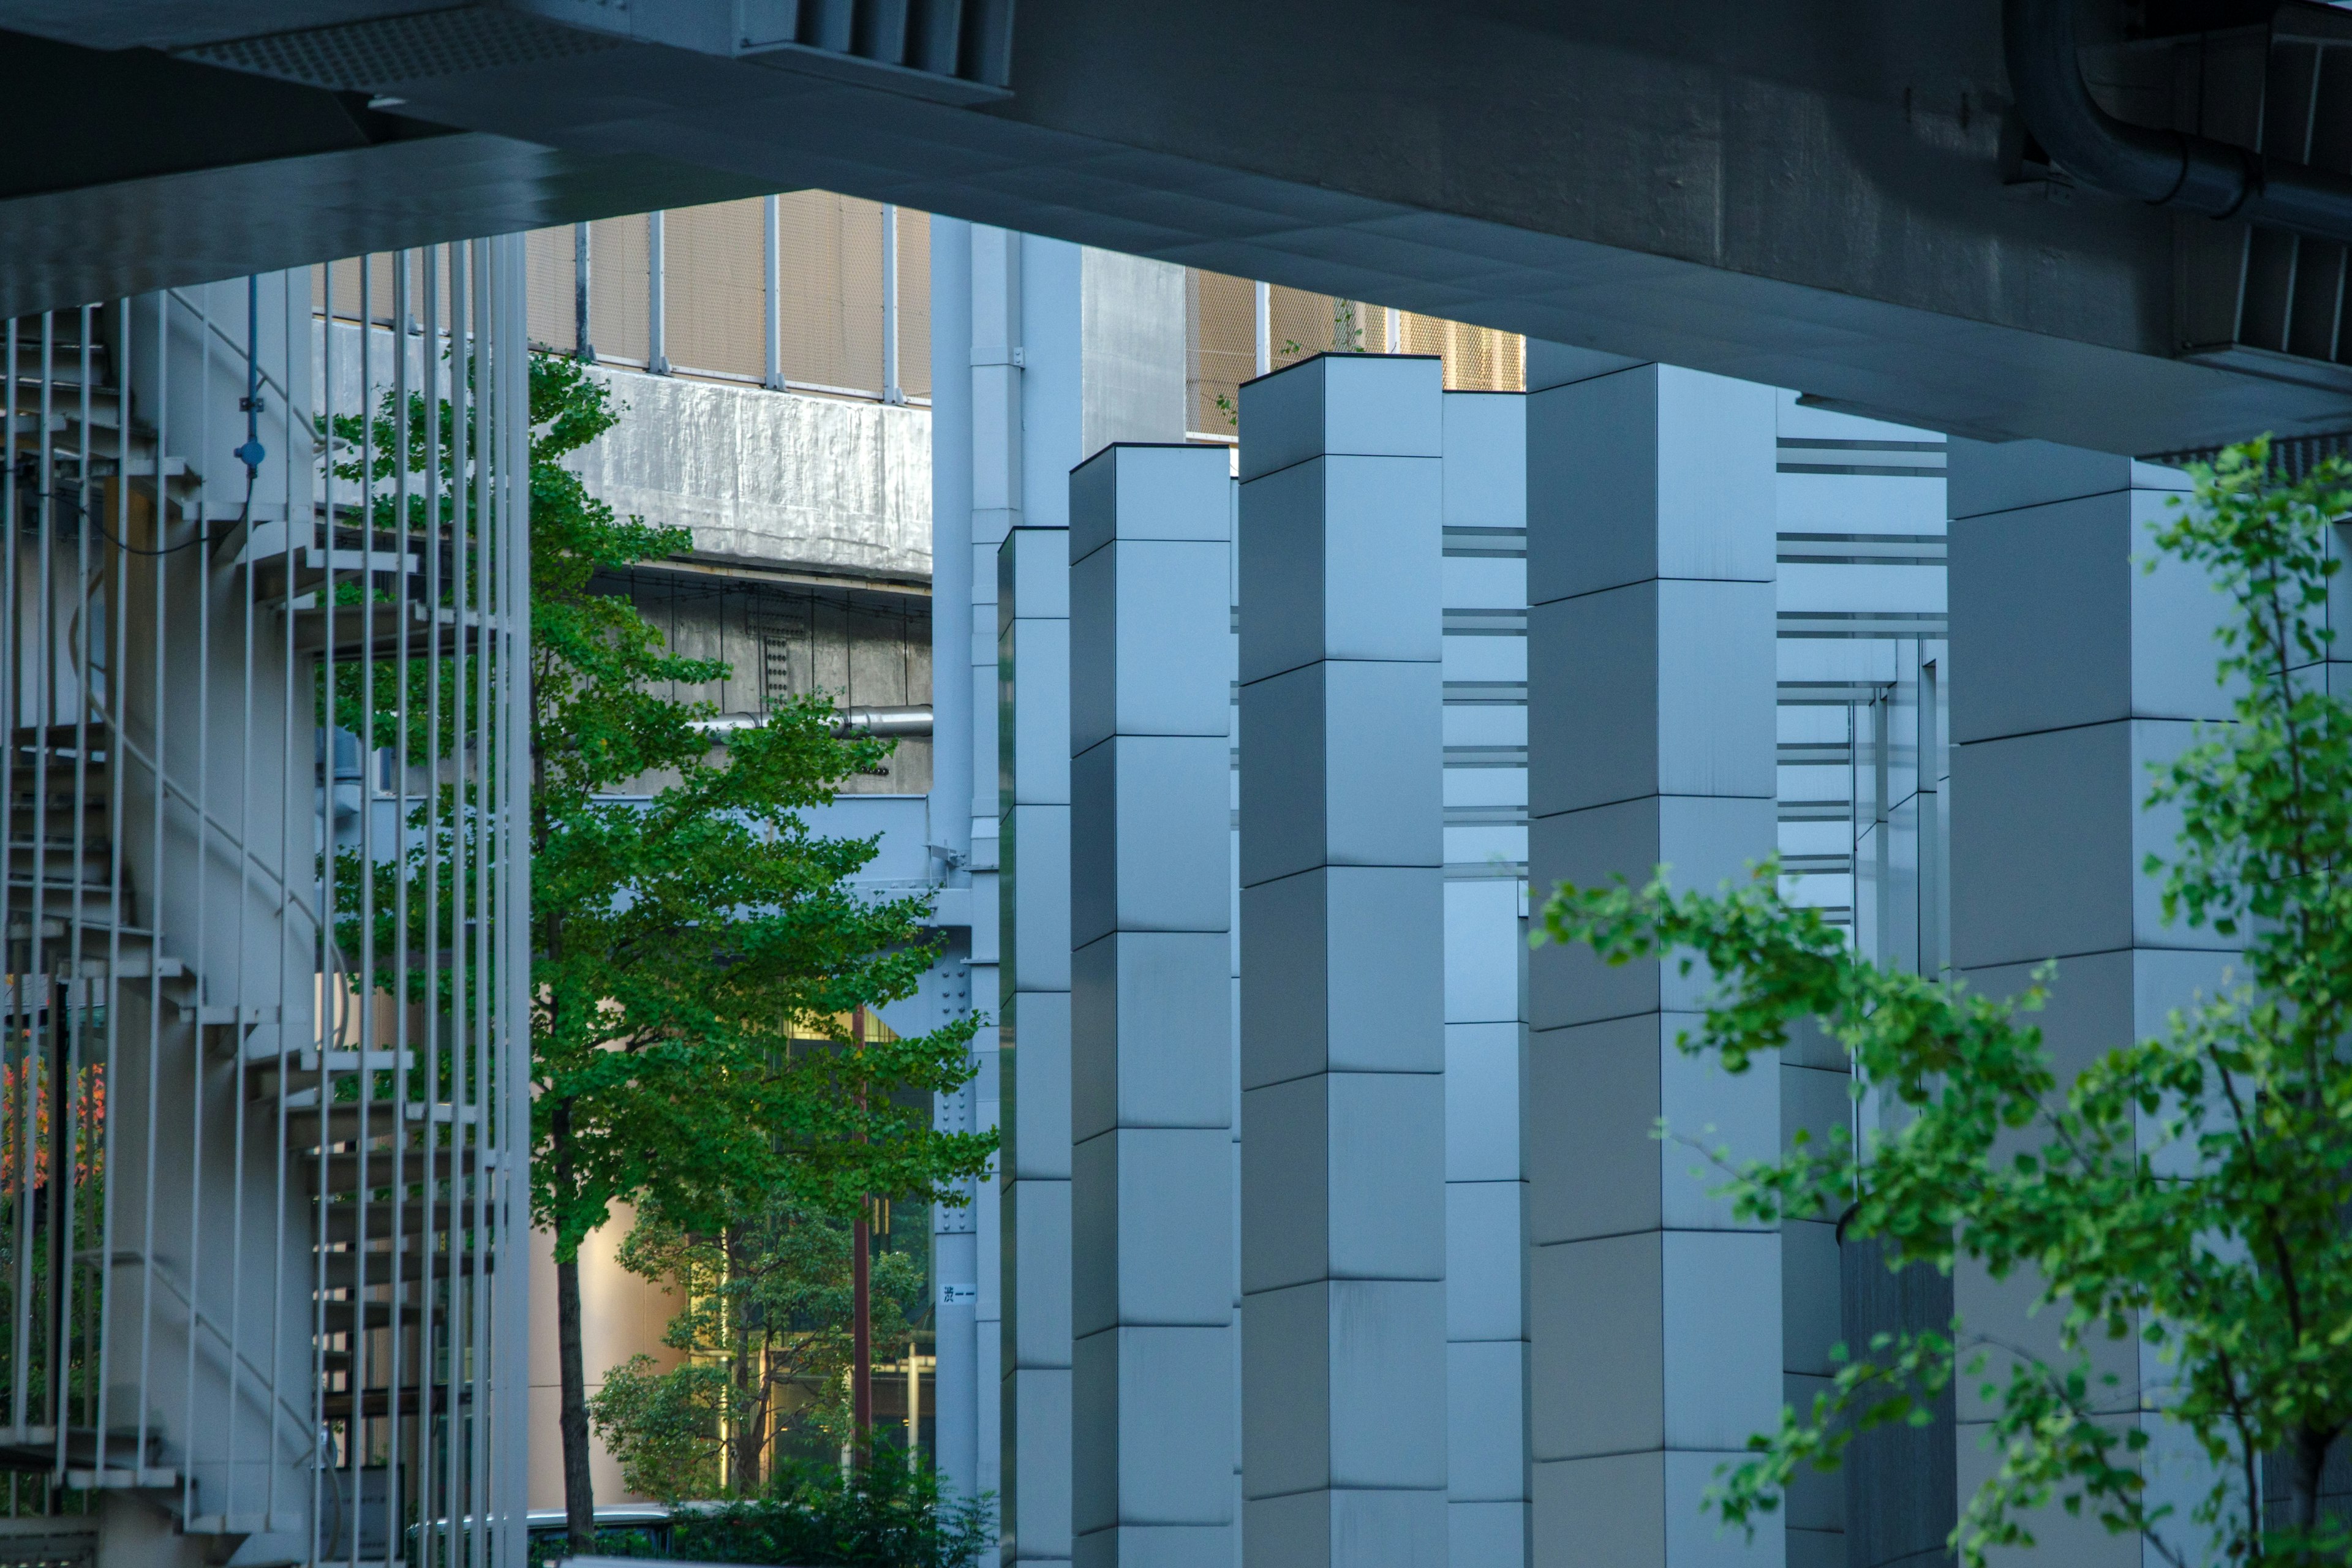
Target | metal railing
(264,1070)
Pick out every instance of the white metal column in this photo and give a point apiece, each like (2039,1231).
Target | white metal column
(2076,671)
(1033,662)
(1343,1047)
(1151,1048)
(1653,1318)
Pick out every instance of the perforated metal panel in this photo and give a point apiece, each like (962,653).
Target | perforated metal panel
(550,259)
(1220,343)
(712,271)
(832,293)
(617,297)
(955,51)
(362,55)
(1220,349)
(915,303)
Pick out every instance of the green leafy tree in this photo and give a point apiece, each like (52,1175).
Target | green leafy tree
(766,1330)
(889,1512)
(696,953)
(2192,1188)
(688,947)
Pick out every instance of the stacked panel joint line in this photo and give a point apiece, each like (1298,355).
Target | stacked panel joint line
(264,1121)
(1151,1060)
(1653,1317)
(1342,1034)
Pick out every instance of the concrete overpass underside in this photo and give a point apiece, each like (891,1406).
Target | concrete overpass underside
(1820,195)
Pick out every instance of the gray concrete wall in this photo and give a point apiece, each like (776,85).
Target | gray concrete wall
(860,648)
(772,480)
(775,479)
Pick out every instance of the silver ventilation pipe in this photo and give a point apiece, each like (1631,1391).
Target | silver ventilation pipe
(888,723)
(2163,168)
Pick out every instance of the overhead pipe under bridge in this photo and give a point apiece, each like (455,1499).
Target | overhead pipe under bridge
(2160,167)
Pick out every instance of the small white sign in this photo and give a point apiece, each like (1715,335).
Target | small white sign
(959,1295)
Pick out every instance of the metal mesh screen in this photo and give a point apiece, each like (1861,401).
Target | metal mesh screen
(1302,324)
(831,304)
(617,293)
(915,303)
(1221,341)
(548,259)
(713,259)
(349,282)
(1220,348)
(1477,358)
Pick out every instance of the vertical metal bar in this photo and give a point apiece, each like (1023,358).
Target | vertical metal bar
(431,947)
(40,1044)
(499,566)
(464,813)
(117,755)
(397,539)
(323,986)
(288,674)
(363,651)
(771,291)
(16,1128)
(455,1504)
(242,604)
(891,391)
(656,345)
(1262,310)
(160,624)
(507,1363)
(583,346)
(199,874)
(67,992)
(63,1178)
(491,782)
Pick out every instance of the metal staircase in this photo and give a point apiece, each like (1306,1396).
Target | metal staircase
(254,1129)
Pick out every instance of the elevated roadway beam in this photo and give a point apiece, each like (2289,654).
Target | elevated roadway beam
(1814,195)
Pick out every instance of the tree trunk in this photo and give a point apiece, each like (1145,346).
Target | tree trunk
(751,1417)
(861,1294)
(579,1486)
(861,1311)
(2303,1482)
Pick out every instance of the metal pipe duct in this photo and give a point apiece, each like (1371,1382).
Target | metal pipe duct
(892,723)
(2163,168)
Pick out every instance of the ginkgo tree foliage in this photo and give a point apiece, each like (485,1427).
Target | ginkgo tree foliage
(2192,1188)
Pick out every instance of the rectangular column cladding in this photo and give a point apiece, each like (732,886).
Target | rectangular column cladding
(1653,1318)
(2076,671)
(1342,1033)
(1033,1030)
(1151,1023)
